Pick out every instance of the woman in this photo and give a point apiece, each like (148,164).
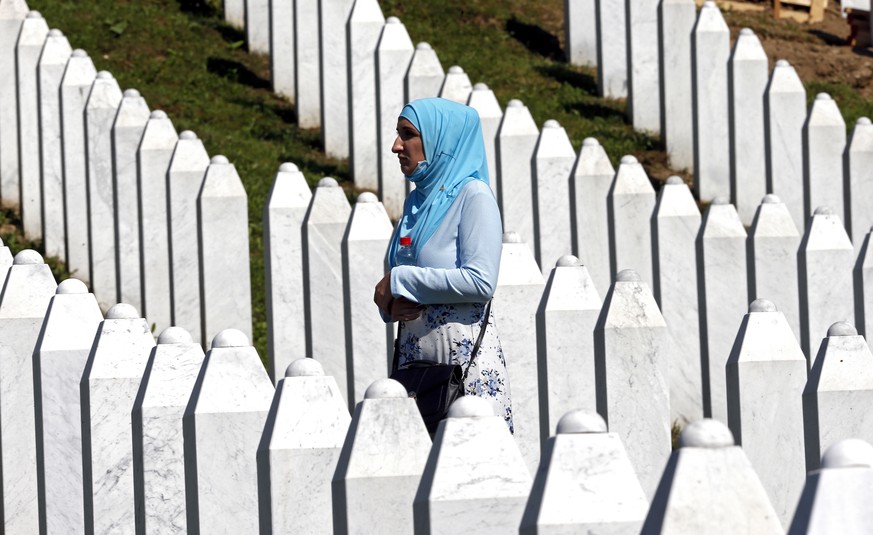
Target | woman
(454,223)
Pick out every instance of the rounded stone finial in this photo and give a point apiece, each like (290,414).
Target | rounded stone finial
(188,135)
(79,53)
(288,167)
(579,421)
(424,45)
(746,32)
(122,311)
(771,198)
(304,367)
(628,275)
(551,123)
(470,407)
(54,32)
(480,86)
(762,305)
(842,328)
(515,103)
(219,159)
(782,63)
(392,20)
(568,261)
(230,338)
(34,14)
(709,4)
(512,237)
(367,197)
(706,433)
(328,182)
(175,335)
(824,210)
(721,201)
(626,160)
(385,389)
(158,114)
(848,453)
(104,75)
(675,181)
(27,257)
(823,96)
(131,93)
(456,69)
(590,142)
(71,286)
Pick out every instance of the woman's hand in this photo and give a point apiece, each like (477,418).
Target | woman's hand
(402,309)
(382,296)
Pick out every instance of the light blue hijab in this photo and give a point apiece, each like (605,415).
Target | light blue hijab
(455,150)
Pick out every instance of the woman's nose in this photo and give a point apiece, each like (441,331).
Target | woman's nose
(398,145)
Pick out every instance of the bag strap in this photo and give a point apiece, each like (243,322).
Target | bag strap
(478,341)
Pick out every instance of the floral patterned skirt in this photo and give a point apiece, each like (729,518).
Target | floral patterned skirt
(447,334)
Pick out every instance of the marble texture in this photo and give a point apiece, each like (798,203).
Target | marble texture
(59,358)
(223,231)
(824,142)
(585,482)
(517,297)
(766,373)
(307,46)
(50,72)
(370,341)
(516,145)
(612,57)
(12,15)
(299,450)
(676,21)
(31,40)
(863,276)
(133,115)
(221,428)
(108,389)
(676,224)
(644,66)
(425,75)
(475,476)
(786,113)
(721,281)
(100,112)
(825,260)
(5,260)
(282,53)
(323,229)
(235,13)
(709,486)
(284,213)
(158,448)
(565,343)
(27,291)
(257,26)
(184,180)
(711,45)
(483,100)
(364,29)
(456,86)
(381,463)
(748,79)
(580,32)
(153,161)
(75,87)
(772,246)
(630,205)
(631,364)
(393,54)
(334,70)
(859,182)
(553,221)
(592,178)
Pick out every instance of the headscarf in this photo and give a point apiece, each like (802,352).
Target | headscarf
(455,154)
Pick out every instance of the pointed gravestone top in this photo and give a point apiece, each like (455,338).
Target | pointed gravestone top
(175,335)
(122,311)
(706,433)
(71,286)
(304,367)
(385,389)
(230,338)
(579,421)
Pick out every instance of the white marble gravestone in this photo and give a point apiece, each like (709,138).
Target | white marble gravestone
(133,114)
(630,205)
(612,56)
(184,180)
(519,290)
(26,293)
(425,75)
(12,15)
(483,100)
(52,63)
(283,217)
(223,231)
(257,26)
(676,21)
(748,79)
(297,457)
(863,277)
(59,358)
(786,113)
(709,486)
(393,55)
(75,87)
(592,178)
(5,260)
(381,463)
(825,260)
(711,47)
(473,467)
(773,243)
(835,497)
(334,71)
(516,144)
(370,343)
(109,386)
(307,64)
(565,342)
(580,32)
(859,187)
(282,52)
(766,373)
(323,229)
(235,13)
(676,224)
(824,142)
(158,449)
(632,362)
(721,285)
(585,482)
(31,40)
(456,86)
(221,427)
(644,76)
(553,166)
(364,28)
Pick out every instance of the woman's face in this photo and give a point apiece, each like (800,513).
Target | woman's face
(408,146)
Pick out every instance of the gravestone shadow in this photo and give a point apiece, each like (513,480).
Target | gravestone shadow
(828,38)
(198,7)
(566,74)
(236,72)
(535,39)
(593,110)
